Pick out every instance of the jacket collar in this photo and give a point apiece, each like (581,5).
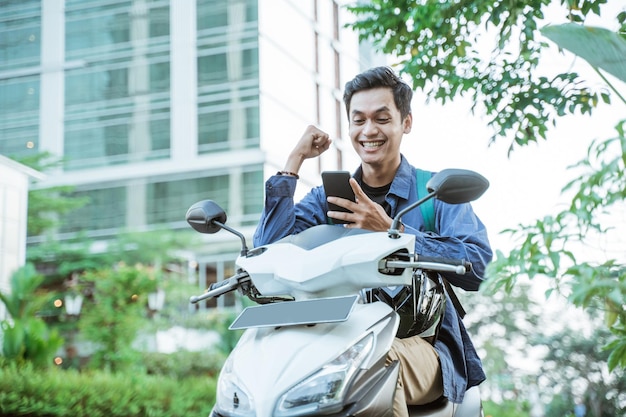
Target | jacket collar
(402,181)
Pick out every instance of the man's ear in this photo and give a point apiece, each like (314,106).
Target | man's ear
(408,123)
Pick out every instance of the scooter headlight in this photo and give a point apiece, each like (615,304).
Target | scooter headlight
(232,397)
(324,391)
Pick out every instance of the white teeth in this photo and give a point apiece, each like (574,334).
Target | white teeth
(372,144)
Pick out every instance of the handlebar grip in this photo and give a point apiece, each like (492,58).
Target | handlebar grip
(448,261)
(216,285)
(222,287)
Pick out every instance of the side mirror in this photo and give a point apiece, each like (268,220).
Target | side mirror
(456,186)
(206,216)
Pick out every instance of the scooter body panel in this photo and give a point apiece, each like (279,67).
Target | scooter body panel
(286,268)
(269,361)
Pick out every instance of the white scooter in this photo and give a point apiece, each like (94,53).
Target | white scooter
(315,344)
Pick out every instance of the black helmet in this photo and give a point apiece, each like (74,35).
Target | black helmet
(420,306)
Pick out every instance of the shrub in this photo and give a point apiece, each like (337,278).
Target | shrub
(116,313)
(183,364)
(56,392)
(25,336)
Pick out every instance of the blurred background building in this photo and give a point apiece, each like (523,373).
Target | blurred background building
(156,104)
(14,184)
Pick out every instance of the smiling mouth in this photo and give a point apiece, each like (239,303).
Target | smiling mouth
(373,145)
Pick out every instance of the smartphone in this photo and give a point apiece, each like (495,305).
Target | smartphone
(336,184)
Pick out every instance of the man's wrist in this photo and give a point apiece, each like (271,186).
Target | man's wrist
(289,174)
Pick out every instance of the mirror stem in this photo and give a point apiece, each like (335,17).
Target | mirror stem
(244,247)
(393,231)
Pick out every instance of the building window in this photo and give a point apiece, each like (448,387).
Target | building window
(19,119)
(117,106)
(213,69)
(20,50)
(212,130)
(252,196)
(213,14)
(111,26)
(168,202)
(215,121)
(20,34)
(106,209)
(117,138)
(228,75)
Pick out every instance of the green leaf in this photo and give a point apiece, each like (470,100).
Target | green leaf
(13,340)
(617,357)
(598,46)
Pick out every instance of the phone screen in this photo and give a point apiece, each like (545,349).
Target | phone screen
(336,184)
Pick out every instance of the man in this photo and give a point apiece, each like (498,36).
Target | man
(378,104)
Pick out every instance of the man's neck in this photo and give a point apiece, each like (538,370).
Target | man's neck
(379,175)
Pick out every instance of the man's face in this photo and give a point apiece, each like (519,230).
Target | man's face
(377,127)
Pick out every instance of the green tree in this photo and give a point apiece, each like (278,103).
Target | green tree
(152,247)
(115,312)
(576,361)
(528,345)
(503,326)
(491,51)
(26,337)
(46,206)
(443,47)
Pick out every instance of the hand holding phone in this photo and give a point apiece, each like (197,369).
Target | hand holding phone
(336,184)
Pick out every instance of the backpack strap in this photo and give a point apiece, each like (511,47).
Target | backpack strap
(428,207)
(428,213)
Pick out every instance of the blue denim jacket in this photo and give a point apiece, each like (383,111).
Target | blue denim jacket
(461,235)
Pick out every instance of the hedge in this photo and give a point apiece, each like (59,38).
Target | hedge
(27,391)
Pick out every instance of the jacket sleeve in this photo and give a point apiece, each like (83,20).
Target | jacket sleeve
(281,216)
(461,236)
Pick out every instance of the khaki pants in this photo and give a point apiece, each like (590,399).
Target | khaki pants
(420,380)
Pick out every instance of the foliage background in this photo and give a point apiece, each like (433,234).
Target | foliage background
(486,74)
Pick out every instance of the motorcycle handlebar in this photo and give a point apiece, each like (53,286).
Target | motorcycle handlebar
(448,261)
(218,288)
(431,266)
(457,266)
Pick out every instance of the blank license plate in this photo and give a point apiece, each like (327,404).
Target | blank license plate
(292,313)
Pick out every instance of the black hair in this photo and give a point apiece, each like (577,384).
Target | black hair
(380,77)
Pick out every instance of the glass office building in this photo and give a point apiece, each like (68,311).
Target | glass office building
(156,104)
